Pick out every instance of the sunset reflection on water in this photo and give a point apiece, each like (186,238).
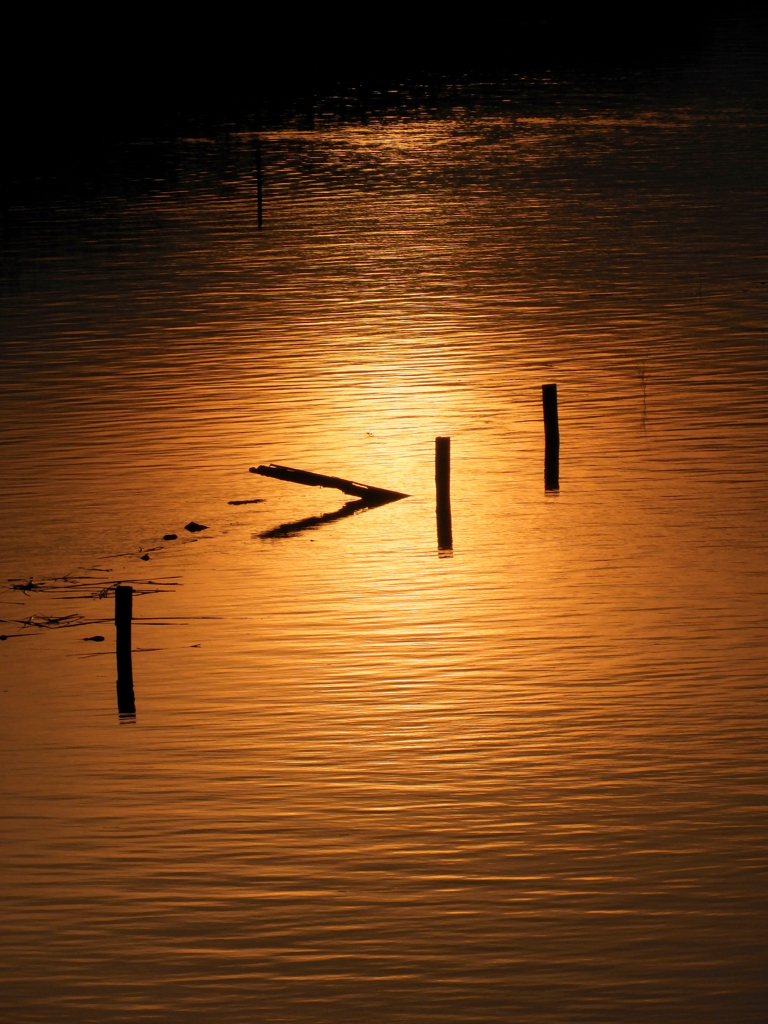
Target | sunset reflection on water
(365,780)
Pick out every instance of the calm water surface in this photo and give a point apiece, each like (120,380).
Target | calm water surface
(367,780)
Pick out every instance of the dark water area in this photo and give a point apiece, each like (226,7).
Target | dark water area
(376,771)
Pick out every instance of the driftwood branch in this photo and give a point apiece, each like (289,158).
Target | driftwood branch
(369,495)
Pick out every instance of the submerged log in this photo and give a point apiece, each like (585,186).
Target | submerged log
(370,495)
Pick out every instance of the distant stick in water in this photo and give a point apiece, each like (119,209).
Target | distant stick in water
(258,183)
(642,376)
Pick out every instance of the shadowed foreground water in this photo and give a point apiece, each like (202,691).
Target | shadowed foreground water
(368,781)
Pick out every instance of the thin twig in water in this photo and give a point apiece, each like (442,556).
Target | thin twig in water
(641,371)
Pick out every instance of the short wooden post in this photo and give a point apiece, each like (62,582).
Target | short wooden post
(126,704)
(551,438)
(258,184)
(443,490)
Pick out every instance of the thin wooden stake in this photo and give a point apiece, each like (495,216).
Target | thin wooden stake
(551,438)
(443,492)
(126,704)
(258,184)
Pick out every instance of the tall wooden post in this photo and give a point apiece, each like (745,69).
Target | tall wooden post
(126,704)
(551,438)
(443,491)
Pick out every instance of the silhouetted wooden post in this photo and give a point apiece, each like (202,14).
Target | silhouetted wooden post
(126,704)
(551,438)
(258,184)
(443,489)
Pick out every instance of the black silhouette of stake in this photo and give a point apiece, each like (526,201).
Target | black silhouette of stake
(126,704)
(551,438)
(443,492)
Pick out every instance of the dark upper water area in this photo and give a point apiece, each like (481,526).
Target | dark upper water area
(76,106)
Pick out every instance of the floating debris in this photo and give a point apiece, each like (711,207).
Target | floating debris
(97,639)
(170,536)
(51,621)
(195,527)
(248,501)
(75,587)
(370,495)
(147,551)
(367,497)
(24,587)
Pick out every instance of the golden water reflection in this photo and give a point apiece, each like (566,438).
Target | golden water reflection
(364,780)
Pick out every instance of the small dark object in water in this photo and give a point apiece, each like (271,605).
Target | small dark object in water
(170,536)
(145,558)
(3,637)
(195,527)
(97,639)
(247,501)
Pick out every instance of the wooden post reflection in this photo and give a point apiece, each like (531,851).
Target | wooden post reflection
(126,704)
(443,489)
(551,438)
